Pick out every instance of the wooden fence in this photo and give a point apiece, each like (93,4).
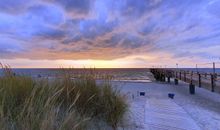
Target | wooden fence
(210,81)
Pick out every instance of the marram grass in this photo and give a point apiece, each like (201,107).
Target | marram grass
(59,104)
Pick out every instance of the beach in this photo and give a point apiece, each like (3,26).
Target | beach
(150,108)
(109,65)
(202,109)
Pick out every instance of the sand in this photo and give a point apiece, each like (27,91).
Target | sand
(200,111)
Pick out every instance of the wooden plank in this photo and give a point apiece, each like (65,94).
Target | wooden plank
(165,114)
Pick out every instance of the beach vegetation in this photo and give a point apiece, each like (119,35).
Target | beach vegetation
(62,103)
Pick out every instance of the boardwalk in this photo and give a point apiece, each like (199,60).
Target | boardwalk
(209,81)
(156,111)
(165,114)
(161,114)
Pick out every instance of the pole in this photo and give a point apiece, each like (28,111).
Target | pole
(197,68)
(200,84)
(185,76)
(176,70)
(212,83)
(213,67)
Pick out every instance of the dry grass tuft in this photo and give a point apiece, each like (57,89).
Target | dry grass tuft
(61,104)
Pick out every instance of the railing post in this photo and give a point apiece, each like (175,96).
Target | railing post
(180,76)
(169,75)
(159,76)
(176,81)
(191,88)
(200,84)
(191,78)
(163,78)
(185,76)
(212,83)
(213,67)
(168,79)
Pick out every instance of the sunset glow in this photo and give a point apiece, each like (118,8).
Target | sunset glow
(109,33)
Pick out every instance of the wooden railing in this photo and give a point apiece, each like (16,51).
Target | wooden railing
(210,81)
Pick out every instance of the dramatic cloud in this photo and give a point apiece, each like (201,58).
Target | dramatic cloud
(13,6)
(168,30)
(76,6)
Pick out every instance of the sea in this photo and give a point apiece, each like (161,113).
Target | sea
(122,74)
(203,70)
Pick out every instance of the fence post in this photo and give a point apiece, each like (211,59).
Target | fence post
(213,67)
(191,88)
(160,76)
(212,83)
(200,84)
(185,76)
(180,76)
(168,79)
(163,78)
(191,78)
(176,76)
(176,81)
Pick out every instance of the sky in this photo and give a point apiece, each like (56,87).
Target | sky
(109,33)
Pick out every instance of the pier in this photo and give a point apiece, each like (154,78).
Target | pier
(209,81)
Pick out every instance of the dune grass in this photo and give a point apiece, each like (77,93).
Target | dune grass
(59,104)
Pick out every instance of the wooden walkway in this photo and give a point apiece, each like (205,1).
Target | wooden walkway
(164,114)
(210,81)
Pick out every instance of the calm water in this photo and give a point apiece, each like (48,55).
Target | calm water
(204,70)
(122,74)
(118,74)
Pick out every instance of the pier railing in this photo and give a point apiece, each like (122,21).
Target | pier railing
(210,81)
